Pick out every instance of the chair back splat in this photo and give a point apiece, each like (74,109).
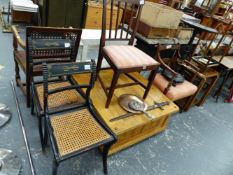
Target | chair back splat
(54,43)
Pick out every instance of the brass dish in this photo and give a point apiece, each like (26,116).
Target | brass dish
(124,100)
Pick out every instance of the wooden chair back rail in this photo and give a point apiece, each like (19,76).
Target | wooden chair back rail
(67,69)
(223,33)
(42,33)
(133,7)
(176,55)
(40,55)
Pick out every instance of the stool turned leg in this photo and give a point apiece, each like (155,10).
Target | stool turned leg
(150,82)
(115,77)
(105,157)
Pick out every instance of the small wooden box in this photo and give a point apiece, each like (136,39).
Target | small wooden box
(136,128)
(94,17)
(20,16)
(154,32)
(160,16)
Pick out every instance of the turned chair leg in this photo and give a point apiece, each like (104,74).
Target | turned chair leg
(112,88)
(105,157)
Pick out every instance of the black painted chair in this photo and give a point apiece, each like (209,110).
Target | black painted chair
(72,128)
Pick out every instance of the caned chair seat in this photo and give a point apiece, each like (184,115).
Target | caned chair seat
(63,98)
(123,57)
(177,92)
(76,131)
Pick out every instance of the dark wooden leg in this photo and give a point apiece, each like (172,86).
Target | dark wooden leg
(105,157)
(115,77)
(192,99)
(45,138)
(32,107)
(41,132)
(17,75)
(207,91)
(55,167)
(99,63)
(150,82)
(28,90)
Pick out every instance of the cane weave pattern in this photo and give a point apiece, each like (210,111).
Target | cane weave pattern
(76,130)
(62,98)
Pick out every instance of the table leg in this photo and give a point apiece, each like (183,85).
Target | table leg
(189,49)
(195,31)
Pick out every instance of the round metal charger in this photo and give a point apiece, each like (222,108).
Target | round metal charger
(5,114)
(10,164)
(126,98)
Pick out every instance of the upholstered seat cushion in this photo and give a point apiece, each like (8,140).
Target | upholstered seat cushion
(124,56)
(177,92)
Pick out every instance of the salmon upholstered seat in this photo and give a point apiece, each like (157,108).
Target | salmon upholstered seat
(177,92)
(123,56)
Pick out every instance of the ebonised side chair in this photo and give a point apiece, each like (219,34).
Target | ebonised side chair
(43,44)
(72,128)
